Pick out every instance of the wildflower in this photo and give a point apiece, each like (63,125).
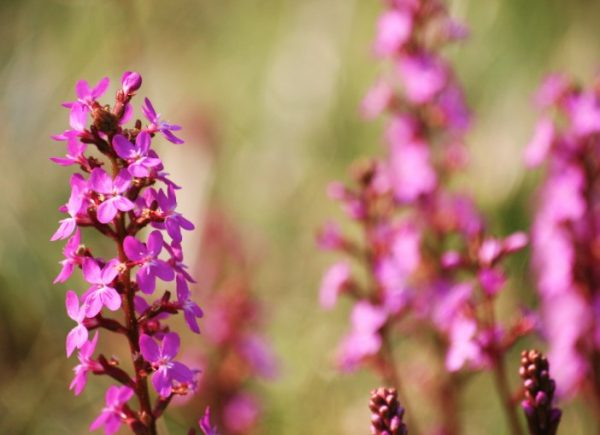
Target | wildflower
(161,357)
(139,164)
(86,364)
(146,257)
(101,293)
(78,336)
(157,125)
(112,192)
(113,415)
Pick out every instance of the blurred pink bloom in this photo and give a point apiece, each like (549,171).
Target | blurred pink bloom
(377,99)
(423,76)
(393,30)
(540,144)
(364,339)
(464,349)
(410,170)
(333,283)
(241,413)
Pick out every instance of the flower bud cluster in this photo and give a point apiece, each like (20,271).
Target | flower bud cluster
(542,417)
(386,413)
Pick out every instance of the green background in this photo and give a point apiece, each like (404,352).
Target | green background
(267,92)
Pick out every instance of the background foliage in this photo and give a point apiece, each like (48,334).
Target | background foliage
(267,92)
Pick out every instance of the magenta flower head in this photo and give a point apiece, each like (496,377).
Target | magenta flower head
(117,193)
(167,372)
(113,413)
(79,334)
(101,293)
(86,364)
(156,125)
(140,164)
(111,200)
(146,257)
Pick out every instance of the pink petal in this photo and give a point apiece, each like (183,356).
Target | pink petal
(106,211)
(76,338)
(100,181)
(170,345)
(123,147)
(72,304)
(149,348)
(91,271)
(110,298)
(134,249)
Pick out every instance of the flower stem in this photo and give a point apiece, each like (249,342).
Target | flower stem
(141,382)
(391,376)
(505,395)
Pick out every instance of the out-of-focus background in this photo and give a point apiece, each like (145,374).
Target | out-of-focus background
(267,92)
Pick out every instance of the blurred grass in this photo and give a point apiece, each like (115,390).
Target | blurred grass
(279,81)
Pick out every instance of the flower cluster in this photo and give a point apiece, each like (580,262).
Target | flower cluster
(386,413)
(542,417)
(236,353)
(122,188)
(428,257)
(565,234)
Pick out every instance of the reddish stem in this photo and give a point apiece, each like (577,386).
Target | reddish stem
(141,382)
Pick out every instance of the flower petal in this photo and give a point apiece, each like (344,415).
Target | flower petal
(149,348)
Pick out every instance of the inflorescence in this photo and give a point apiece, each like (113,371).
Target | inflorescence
(122,188)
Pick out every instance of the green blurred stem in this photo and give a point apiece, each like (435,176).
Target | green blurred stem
(504,392)
(500,377)
(391,377)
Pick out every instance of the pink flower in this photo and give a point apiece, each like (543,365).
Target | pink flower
(156,125)
(112,415)
(146,255)
(584,111)
(410,170)
(140,164)
(540,144)
(423,76)
(464,348)
(71,258)
(86,364)
(78,336)
(101,293)
(112,191)
(551,90)
(191,310)
(376,101)
(161,357)
(241,413)
(364,339)
(393,30)
(75,150)
(86,96)
(330,237)
(333,283)
(206,425)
